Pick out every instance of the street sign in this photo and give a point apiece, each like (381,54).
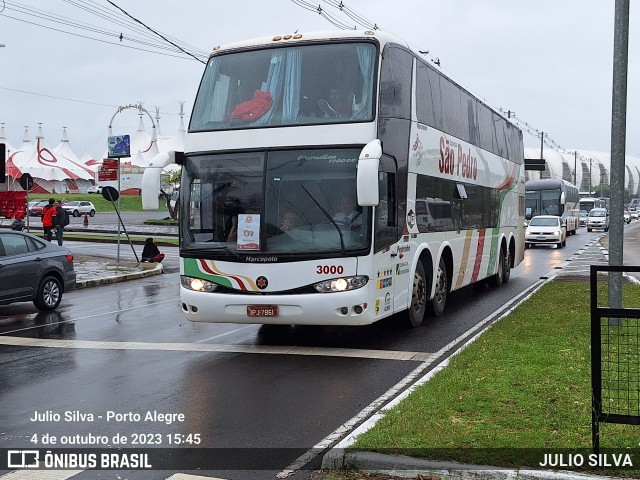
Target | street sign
(3,162)
(534,164)
(26,181)
(110,193)
(108,170)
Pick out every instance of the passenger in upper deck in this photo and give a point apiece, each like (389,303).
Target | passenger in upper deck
(337,105)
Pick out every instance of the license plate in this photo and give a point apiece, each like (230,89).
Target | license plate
(262,310)
(542,238)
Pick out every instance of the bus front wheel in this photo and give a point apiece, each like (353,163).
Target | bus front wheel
(439,300)
(418,297)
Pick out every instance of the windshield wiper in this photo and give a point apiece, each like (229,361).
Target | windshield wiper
(344,251)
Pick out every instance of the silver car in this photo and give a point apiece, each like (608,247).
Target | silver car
(33,270)
(598,219)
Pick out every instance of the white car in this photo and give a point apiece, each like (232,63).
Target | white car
(94,189)
(598,219)
(77,208)
(545,229)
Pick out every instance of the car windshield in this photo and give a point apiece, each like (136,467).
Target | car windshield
(72,204)
(597,213)
(544,222)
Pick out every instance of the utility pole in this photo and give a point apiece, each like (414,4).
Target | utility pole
(618,147)
(590,187)
(575,167)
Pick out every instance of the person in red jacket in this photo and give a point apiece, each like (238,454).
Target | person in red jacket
(48,214)
(151,253)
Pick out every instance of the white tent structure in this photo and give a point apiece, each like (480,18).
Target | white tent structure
(53,169)
(588,170)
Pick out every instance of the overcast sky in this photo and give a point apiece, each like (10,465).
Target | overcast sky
(549,61)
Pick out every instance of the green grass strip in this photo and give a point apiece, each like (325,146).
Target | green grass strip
(524,384)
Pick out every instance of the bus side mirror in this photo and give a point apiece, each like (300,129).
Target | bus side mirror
(367,174)
(562,199)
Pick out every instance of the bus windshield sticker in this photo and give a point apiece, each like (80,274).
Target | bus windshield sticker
(248,231)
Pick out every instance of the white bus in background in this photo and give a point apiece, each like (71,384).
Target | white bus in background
(554,197)
(270,157)
(588,203)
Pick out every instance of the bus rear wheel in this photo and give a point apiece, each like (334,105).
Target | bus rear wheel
(503,272)
(419,297)
(439,300)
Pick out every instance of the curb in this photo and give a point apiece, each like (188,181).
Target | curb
(413,467)
(94,282)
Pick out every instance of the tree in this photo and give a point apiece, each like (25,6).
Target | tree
(172,179)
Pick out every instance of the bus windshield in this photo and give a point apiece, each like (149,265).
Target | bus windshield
(542,202)
(293,85)
(277,202)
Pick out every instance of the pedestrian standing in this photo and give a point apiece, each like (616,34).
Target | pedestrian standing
(59,221)
(48,212)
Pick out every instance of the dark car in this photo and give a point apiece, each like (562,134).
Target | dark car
(32,269)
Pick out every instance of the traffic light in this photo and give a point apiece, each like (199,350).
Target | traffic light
(3,162)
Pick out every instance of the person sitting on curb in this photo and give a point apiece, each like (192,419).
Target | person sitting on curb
(151,253)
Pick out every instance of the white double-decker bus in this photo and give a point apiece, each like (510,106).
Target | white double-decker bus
(289,132)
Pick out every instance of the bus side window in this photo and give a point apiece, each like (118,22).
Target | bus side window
(386,231)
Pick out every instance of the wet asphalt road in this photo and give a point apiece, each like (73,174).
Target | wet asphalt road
(255,392)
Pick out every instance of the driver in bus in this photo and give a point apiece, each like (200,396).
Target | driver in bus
(349,213)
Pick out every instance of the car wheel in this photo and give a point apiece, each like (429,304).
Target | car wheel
(588,229)
(49,294)
(527,245)
(76,213)
(92,213)
(439,301)
(419,297)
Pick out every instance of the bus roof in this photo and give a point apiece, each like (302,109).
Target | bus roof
(545,183)
(280,39)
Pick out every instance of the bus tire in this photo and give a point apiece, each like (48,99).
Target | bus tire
(497,279)
(419,297)
(439,300)
(507,266)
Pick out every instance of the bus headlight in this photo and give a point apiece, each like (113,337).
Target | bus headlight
(341,284)
(197,284)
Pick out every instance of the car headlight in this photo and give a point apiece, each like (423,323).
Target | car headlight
(198,284)
(557,232)
(341,284)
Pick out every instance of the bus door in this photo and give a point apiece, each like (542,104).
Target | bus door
(390,268)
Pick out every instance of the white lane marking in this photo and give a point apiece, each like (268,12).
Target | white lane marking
(225,333)
(88,317)
(192,347)
(40,475)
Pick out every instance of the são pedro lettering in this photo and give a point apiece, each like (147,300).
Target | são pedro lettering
(466,164)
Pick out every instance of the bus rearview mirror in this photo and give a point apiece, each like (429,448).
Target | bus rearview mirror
(367,174)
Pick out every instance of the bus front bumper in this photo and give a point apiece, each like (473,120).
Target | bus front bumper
(339,308)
